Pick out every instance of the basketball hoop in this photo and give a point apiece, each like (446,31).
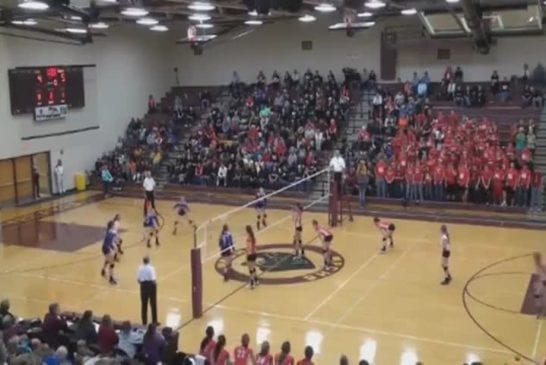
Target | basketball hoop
(192,33)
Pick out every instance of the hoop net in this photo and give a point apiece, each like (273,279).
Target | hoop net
(304,191)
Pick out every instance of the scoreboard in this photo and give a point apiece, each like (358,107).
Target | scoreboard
(50,86)
(44,89)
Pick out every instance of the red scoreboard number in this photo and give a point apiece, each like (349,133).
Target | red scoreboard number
(50,86)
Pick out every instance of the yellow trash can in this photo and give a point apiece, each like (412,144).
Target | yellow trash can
(80,182)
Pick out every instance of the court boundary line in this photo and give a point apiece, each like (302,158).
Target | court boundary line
(537,338)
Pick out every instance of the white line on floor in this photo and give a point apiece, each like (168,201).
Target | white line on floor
(362,329)
(537,337)
(341,286)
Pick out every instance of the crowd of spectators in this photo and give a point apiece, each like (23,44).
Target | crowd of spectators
(142,148)
(268,133)
(410,153)
(69,339)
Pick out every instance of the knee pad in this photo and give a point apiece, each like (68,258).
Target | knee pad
(265,216)
(384,239)
(258,217)
(112,266)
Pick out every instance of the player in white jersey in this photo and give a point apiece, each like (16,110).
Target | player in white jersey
(297,215)
(445,243)
(326,237)
(540,284)
(116,224)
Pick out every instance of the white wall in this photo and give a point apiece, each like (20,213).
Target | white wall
(130,65)
(278,46)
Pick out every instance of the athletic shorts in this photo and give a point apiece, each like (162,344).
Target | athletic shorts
(251,258)
(227,253)
(107,251)
(329,238)
(446,253)
(181,212)
(392,228)
(299,229)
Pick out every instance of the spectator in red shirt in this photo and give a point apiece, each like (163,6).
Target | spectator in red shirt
(208,343)
(512,183)
(463,180)
(537,187)
(410,184)
(219,356)
(483,186)
(307,360)
(451,182)
(390,179)
(428,184)
(380,185)
(524,186)
(418,177)
(400,180)
(498,185)
(439,178)
(107,337)
(284,357)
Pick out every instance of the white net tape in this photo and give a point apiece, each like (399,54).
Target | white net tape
(208,233)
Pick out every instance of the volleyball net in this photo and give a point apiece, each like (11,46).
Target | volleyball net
(311,192)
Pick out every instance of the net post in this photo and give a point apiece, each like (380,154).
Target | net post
(196,283)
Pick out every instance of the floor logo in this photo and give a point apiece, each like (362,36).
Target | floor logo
(277,262)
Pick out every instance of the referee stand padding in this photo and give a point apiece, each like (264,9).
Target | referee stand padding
(338,204)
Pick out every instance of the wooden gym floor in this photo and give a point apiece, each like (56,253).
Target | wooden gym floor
(389,309)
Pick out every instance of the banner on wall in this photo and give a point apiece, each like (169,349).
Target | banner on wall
(51,112)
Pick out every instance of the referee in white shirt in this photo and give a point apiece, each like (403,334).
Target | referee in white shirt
(148,290)
(337,164)
(149,186)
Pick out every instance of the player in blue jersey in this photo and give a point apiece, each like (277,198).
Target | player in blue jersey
(261,204)
(109,251)
(227,249)
(151,225)
(182,209)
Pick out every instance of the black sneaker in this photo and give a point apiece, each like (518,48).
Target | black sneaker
(383,250)
(148,244)
(112,281)
(446,281)
(103,272)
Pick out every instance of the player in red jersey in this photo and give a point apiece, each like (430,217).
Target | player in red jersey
(387,229)
(284,357)
(326,237)
(264,357)
(251,257)
(242,354)
(219,355)
(208,343)
(307,360)
(298,228)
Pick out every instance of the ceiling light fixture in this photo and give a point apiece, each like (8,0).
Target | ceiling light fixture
(204,25)
(452,1)
(325,8)
(199,17)
(253,22)
(33,5)
(307,18)
(253,13)
(411,11)
(375,4)
(30,22)
(159,28)
(365,14)
(201,6)
(147,21)
(135,12)
(75,17)
(99,25)
(76,30)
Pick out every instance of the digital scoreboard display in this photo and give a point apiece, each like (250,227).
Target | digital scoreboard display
(35,87)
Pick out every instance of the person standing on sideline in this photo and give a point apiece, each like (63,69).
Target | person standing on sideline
(106,178)
(337,165)
(149,185)
(59,176)
(148,290)
(35,181)
(363,178)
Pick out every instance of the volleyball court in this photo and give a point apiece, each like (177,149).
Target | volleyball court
(208,288)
